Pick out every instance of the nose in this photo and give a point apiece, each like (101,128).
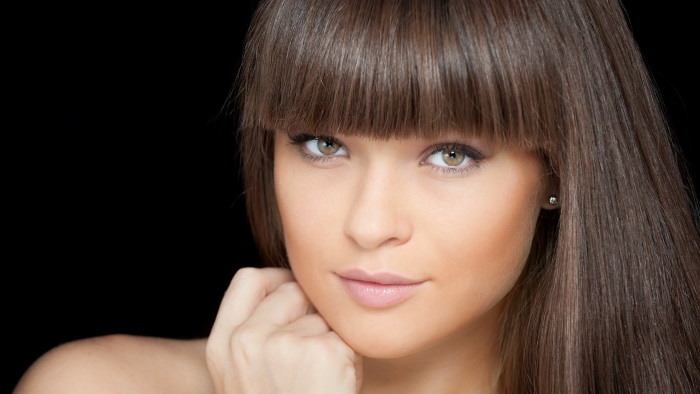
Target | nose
(376,217)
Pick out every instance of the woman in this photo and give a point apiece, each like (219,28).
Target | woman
(470,196)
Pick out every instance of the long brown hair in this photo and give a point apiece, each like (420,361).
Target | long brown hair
(609,299)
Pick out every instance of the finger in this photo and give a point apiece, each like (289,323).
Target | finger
(281,307)
(308,326)
(352,357)
(359,372)
(341,346)
(248,288)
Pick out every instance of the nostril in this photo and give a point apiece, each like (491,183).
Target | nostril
(370,230)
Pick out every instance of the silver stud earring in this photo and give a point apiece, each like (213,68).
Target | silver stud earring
(553,200)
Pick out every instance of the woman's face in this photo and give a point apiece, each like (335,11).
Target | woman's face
(407,244)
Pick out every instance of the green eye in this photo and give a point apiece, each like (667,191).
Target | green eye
(453,157)
(319,147)
(327,146)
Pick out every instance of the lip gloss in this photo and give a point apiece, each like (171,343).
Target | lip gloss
(378,290)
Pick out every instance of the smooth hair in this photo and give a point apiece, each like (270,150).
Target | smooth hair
(609,299)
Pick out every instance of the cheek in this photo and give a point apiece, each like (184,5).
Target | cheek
(470,238)
(502,228)
(483,242)
(305,203)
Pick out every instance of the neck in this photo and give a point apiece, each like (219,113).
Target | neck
(468,362)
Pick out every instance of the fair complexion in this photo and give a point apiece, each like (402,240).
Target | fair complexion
(453,216)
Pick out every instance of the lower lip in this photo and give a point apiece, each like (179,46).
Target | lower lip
(376,294)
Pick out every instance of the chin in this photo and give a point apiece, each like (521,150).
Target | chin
(379,346)
(379,337)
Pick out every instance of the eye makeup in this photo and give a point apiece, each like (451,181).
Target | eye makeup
(449,158)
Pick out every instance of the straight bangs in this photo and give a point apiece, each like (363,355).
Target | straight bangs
(388,69)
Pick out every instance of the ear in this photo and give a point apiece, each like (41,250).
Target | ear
(550,194)
(551,202)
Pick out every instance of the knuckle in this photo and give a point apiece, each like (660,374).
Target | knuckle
(292,287)
(246,334)
(280,341)
(335,344)
(292,291)
(322,345)
(245,344)
(292,295)
(246,274)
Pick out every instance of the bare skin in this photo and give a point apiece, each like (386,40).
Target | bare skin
(120,364)
(461,225)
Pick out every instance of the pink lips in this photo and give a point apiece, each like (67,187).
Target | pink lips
(378,290)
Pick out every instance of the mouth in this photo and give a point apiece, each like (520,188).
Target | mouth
(380,290)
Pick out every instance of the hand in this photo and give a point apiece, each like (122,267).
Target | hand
(267,338)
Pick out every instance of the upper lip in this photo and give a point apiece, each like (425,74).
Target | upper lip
(383,278)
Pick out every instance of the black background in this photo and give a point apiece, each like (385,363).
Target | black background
(126,212)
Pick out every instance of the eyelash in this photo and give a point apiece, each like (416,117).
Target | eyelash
(299,140)
(476,157)
(472,154)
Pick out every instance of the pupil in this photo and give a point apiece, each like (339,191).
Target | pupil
(327,147)
(452,157)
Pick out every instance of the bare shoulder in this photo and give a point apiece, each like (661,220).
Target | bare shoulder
(120,364)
